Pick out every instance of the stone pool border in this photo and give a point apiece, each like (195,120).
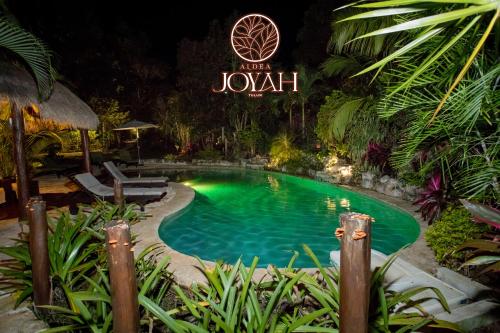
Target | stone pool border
(185,268)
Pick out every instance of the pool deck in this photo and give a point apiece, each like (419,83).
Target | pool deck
(186,268)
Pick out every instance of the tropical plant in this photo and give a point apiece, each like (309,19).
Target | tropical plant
(378,156)
(426,21)
(427,72)
(32,50)
(306,90)
(110,117)
(283,150)
(292,301)
(251,137)
(89,307)
(449,232)
(483,214)
(433,199)
(483,253)
(351,121)
(74,251)
(7,165)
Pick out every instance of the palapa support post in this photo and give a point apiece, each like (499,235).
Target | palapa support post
(87,165)
(118,193)
(36,211)
(355,255)
(124,299)
(20,159)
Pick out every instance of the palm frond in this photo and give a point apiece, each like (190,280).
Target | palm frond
(32,50)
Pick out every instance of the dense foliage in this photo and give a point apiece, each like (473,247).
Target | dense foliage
(450,231)
(232,300)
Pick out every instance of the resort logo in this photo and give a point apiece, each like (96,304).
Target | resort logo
(255,38)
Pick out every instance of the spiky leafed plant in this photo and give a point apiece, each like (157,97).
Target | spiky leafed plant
(32,50)
(448,67)
(426,20)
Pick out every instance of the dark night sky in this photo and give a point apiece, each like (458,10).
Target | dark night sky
(165,22)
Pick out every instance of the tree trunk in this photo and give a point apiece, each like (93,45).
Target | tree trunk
(20,160)
(84,135)
(303,119)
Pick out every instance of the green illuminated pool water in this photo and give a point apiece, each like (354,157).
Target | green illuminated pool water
(244,213)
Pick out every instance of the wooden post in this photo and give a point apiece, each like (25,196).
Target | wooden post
(124,300)
(118,193)
(87,165)
(36,210)
(20,160)
(355,255)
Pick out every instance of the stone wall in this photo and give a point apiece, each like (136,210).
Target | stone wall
(389,186)
(335,172)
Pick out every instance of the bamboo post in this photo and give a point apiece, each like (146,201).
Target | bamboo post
(124,299)
(20,160)
(118,193)
(355,255)
(36,211)
(87,165)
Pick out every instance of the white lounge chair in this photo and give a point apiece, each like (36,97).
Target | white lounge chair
(142,181)
(140,195)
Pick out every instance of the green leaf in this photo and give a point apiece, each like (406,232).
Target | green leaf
(160,314)
(398,53)
(481,260)
(294,327)
(153,275)
(383,12)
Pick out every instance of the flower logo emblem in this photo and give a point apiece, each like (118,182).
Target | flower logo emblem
(255,38)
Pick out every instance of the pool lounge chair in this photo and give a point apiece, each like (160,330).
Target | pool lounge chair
(142,181)
(139,195)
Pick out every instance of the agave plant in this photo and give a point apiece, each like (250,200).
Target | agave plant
(233,302)
(74,251)
(89,308)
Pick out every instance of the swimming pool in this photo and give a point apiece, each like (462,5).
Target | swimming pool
(246,213)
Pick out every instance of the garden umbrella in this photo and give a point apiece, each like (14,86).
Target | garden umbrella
(136,125)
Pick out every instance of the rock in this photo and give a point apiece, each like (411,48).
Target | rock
(323,176)
(384,179)
(410,192)
(368,180)
(393,188)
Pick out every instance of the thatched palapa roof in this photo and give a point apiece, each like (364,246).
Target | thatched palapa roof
(63,107)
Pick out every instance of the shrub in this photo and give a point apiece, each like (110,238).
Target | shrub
(451,230)
(209,154)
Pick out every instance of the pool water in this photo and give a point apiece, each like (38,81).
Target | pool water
(246,213)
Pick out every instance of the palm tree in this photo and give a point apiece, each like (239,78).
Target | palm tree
(423,21)
(306,90)
(442,63)
(32,50)
(289,100)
